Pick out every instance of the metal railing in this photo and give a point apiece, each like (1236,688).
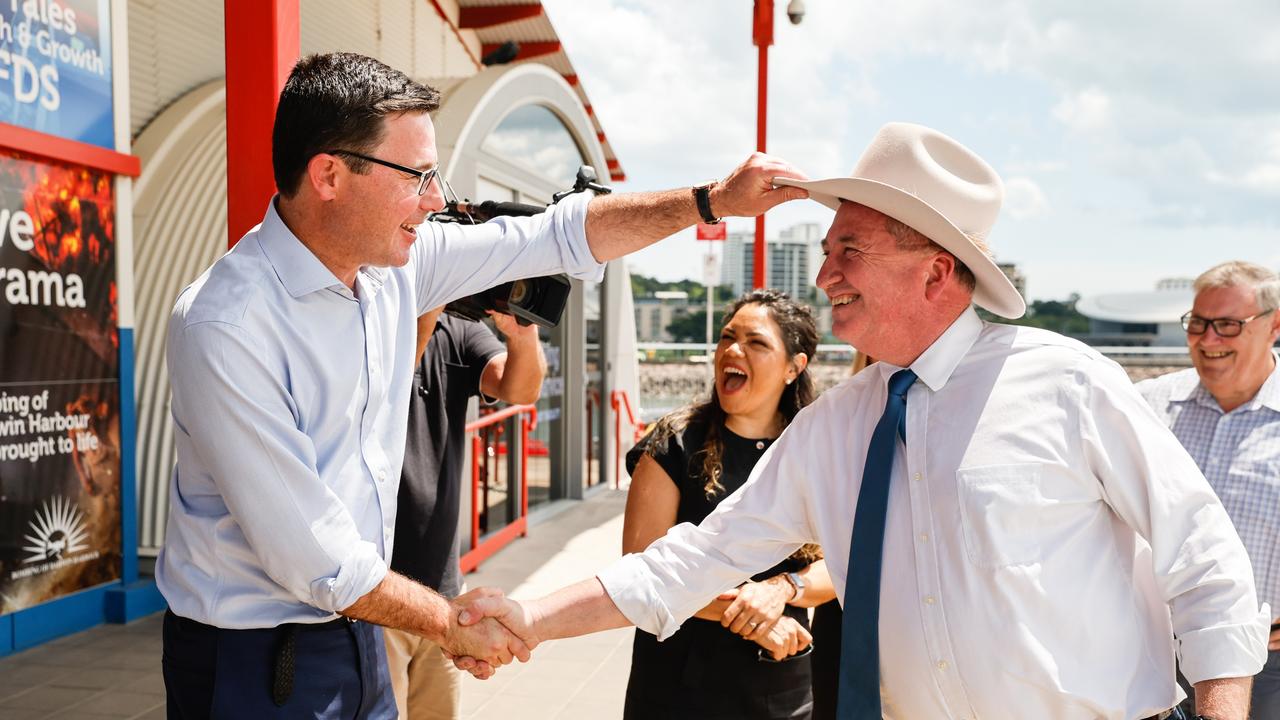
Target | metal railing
(619,399)
(838,351)
(484,445)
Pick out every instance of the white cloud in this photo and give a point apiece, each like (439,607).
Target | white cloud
(1024,199)
(1157,116)
(1086,111)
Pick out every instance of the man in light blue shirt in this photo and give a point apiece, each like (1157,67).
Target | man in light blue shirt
(291,359)
(1226,412)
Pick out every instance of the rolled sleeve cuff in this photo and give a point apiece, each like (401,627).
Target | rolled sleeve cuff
(359,574)
(570,218)
(1226,651)
(633,589)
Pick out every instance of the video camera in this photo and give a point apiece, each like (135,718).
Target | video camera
(532,301)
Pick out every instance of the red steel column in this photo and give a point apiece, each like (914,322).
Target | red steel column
(262,45)
(762,37)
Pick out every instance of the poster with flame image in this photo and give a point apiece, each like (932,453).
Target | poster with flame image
(59,382)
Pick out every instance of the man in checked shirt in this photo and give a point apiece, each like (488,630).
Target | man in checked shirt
(1226,412)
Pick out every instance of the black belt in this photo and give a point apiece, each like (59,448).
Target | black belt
(282,677)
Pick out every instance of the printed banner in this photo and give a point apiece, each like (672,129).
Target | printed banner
(59,382)
(55,68)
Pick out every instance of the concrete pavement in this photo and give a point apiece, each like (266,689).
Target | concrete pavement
(112,672)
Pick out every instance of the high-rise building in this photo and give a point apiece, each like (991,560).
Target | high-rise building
(736,263)
(794,258)
(1015,276)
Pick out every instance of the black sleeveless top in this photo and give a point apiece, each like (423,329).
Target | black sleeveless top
(704,670)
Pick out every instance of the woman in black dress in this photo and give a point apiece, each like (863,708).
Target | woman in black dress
(744,655)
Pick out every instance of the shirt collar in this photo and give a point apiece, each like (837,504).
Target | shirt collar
(1269,394)
(299,270)
(936,364)
(375,278)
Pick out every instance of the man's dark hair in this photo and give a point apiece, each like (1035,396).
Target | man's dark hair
(337,101)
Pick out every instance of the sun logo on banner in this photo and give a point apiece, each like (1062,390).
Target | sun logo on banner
(58,530)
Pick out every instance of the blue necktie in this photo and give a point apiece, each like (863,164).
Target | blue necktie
(859,697)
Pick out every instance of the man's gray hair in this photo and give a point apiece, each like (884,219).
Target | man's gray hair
(1235,273)
(909,239)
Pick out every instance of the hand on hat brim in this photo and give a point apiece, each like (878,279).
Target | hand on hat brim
(750,189)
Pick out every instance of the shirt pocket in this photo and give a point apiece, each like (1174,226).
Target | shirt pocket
(1000,510)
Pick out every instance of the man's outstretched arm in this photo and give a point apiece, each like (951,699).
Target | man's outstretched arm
(399,602)
(579,609)
(626,222)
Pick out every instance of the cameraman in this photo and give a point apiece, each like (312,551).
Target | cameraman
(459,359)
(290,362)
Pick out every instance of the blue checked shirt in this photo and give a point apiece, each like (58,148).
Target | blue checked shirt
(1239,453)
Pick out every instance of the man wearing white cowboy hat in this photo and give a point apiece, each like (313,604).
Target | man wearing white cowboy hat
(1043,538)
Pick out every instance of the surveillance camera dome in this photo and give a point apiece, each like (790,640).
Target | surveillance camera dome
(795,11)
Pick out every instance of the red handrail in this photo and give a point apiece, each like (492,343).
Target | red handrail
(480,551)
(506,412)
(617,400)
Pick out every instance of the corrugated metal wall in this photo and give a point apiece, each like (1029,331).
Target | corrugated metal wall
(174,46)
(180,228)
(406,34)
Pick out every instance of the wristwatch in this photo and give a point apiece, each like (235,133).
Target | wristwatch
(702,198)
(798,583)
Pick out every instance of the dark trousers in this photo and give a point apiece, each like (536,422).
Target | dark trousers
(339,672)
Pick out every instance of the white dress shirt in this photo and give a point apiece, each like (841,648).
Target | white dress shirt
(1018,581)
(290,405)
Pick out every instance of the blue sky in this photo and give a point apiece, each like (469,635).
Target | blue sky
(1137,140)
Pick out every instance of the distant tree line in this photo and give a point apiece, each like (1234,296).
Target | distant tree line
(1059,316)
(643,286)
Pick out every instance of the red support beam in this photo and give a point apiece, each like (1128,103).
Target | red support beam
(476,18)
(528,50)
(62,150)
(262,42)
(762,23)
(762,36)
(572,80)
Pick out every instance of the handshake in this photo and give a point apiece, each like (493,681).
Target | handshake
(487,630)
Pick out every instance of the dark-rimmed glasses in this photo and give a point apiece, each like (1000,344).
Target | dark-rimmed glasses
(424,176)
(1225,327)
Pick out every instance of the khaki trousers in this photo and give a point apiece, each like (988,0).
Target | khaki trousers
(426,685)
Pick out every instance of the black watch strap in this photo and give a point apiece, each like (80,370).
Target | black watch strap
(702,196)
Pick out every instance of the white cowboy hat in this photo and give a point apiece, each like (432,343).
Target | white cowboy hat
(923,178)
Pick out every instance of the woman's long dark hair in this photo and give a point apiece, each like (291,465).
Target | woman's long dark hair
(799,335)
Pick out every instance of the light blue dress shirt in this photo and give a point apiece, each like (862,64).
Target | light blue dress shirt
(1239,453)
(290,404)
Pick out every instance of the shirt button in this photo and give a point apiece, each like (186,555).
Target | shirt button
(942,665)
(382,476)
(916,476)
(928,600)
(924,537)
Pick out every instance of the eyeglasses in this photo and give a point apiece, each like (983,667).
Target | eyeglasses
(1225,327)
(424,176)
